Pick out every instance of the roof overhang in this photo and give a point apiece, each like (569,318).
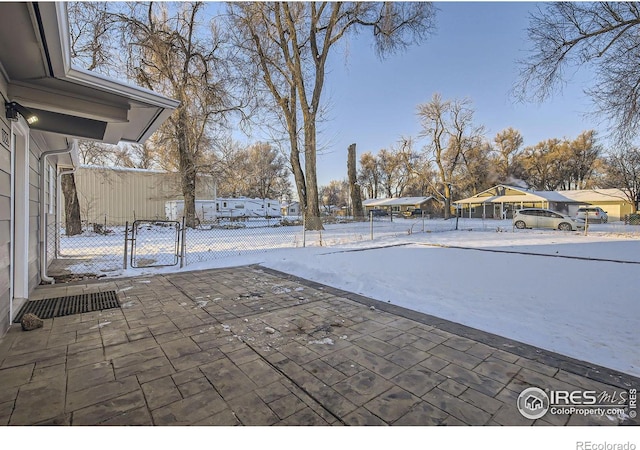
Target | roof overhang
(35,64)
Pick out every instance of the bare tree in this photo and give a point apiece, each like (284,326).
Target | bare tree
(602,35)
(583,155)
(448,126)
(622,171)
(369,174)
(171,48)
(290,44)
(507,147)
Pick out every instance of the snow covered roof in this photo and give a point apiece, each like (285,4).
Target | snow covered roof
(516,194)
(595,195)
(401,201)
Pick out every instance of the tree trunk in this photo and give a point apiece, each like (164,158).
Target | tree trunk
(187,171)
(354,189)
(313,221)
(73,223)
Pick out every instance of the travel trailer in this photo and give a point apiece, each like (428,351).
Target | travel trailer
(209,211)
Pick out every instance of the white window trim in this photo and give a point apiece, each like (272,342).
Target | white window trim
(19,277)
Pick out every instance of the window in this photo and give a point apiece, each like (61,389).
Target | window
(239,206)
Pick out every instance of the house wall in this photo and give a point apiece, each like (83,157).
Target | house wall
(5,224)
(126,195)
(34,215)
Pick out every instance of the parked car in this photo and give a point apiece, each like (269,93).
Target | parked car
(544,218)
(596,214)
(413,213)
(379,213)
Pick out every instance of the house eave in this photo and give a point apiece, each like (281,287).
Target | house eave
(76,102)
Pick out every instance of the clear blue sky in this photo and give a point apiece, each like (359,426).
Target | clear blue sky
(473,54)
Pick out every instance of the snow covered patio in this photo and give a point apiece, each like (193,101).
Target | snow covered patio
(254,346)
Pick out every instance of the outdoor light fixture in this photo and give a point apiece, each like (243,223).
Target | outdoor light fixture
(13,108)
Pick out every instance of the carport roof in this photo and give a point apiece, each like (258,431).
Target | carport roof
(401,201)
(36,71)
(523,196)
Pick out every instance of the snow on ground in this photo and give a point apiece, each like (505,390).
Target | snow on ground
(546,288)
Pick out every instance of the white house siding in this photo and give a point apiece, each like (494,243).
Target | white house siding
(121,195)
(34,215)
(5,226)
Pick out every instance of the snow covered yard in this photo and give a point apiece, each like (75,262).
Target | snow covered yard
(586,309)
(564,292)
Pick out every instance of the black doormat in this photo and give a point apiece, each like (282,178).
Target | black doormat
(49,308)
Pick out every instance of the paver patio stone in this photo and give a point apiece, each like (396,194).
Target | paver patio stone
(407,358)
(48,372)
(84,358)
(228,379)
(422,414)
(96,394)
(325,372)
(482,401)
(473,379)
(286,406)
(434,363)
(16,376)
(6,408)
(22,359)
(363,417)
(39,401)
(453,387)
(457,408)
(304,417)
(392,404)
(251,410)
(260,372)
(89,375)
(362,387)
(109,409)
(147,370)
(455,356)
(8,394)
(418,380)
(189,410)
(500,371)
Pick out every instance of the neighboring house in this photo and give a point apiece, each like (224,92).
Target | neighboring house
(402,204)
(290,209)
(117,195)
(614,201)
(38,80)
(502,200)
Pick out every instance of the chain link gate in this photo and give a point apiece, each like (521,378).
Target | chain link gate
(154,243)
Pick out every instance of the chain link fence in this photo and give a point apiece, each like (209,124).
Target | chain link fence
(106,248)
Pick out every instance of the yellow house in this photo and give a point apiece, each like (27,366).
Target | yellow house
(613,201)
(499,202)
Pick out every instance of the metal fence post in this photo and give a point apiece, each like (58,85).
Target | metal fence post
(183,244)
(371,223)
(304,230)
(126,242)
(586,222)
